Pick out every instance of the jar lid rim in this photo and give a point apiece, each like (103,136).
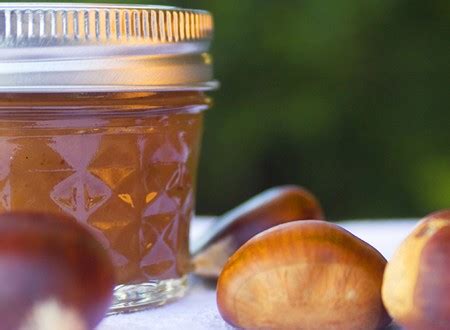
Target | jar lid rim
(61,32)
(80,5)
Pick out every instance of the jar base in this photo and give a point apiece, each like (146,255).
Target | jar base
(129,298)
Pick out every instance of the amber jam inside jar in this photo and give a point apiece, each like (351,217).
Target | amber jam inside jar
(123,164)
(101,115)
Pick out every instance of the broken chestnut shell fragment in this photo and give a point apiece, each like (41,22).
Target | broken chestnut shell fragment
(270,208)
(51,268)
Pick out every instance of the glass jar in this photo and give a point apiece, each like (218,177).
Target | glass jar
(101,113)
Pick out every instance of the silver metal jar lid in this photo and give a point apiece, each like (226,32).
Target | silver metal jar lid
(46,47)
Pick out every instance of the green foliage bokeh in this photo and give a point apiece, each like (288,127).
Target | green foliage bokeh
(348,98)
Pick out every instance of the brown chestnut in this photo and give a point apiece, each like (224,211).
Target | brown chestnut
(53,274)
(303,275)
(270,208)
(416,285)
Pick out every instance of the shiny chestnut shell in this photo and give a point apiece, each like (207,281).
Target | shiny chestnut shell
(303,275)
(416,285)
(51,259)
(269,208)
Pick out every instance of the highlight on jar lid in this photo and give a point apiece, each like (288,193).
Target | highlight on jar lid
(47,47)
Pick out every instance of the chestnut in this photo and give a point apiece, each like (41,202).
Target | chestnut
(270,208)
(53,274)
(416,285)
(303,275)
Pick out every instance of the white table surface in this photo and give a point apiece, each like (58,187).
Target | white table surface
(198,311)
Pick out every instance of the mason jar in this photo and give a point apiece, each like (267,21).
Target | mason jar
(101,115)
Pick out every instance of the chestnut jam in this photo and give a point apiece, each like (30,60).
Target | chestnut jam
(107,129)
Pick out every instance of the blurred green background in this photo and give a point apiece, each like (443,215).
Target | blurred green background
(348,98)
